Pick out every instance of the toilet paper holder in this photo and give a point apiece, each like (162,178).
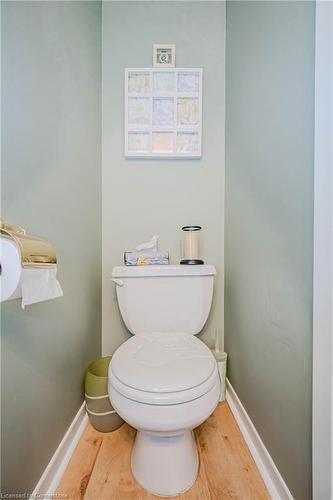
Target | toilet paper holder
(34,251)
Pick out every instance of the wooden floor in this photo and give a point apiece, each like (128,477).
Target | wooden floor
(100,467)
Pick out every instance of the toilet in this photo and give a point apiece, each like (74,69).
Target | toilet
(164,381)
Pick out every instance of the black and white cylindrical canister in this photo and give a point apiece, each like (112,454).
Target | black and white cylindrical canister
(191,250)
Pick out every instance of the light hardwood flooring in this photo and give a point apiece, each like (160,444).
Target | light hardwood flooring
(100,467)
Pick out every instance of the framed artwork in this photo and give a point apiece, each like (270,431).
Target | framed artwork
(164,55)
(163,112)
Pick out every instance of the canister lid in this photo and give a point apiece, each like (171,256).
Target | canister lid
(191,228)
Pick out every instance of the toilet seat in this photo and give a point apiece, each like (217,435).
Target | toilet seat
(164,398)
(163,368)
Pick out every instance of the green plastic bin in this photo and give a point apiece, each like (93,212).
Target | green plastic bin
(101,414)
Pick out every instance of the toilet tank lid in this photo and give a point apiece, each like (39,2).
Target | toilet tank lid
(163,270)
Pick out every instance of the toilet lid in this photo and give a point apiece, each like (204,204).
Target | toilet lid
(163,362)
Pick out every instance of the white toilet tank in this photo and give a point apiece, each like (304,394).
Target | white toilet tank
(164,298)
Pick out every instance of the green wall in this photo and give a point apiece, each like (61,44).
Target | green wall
(51,179)
(269,225)
(159,196)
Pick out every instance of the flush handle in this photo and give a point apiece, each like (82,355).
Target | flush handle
(117,281)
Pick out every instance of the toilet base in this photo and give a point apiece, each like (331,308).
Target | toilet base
(165,465)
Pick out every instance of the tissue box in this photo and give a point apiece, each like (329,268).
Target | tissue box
(146,258)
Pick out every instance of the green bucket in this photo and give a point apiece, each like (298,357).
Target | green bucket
(101,414)
(96,381)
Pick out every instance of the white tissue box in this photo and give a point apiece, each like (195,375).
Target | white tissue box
(146,258)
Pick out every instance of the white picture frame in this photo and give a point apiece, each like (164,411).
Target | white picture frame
(163,113)
(164,55)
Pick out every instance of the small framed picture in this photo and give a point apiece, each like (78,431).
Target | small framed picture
(164,55)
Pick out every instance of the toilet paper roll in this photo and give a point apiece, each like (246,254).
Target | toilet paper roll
(11,269)
(33,285)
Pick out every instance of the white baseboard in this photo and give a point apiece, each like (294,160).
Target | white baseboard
(54,471)
(272,478)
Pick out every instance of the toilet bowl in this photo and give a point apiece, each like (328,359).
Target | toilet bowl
(164,383)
